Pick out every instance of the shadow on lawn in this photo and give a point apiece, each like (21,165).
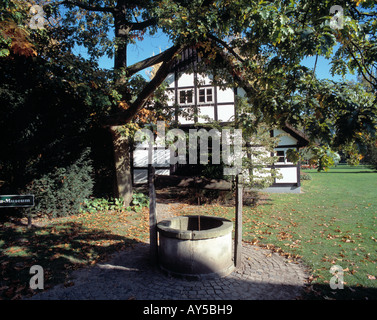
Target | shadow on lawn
(58,248)
(324,292)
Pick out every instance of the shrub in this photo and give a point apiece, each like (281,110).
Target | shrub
(63,191)
(102,204)
(139,201)
(371,156)
(305,176)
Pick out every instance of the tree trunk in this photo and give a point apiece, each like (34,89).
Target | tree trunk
(122,160)
(122,147)
(121,36)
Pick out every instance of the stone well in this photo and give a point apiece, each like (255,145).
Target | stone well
(196,246)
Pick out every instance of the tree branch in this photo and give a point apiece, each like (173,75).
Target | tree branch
(365,14)
(149,62)
(126,116)
(226,46)
(125,27)
(143,24)
(362,63)
(237,74)
(88,7)
(361,68)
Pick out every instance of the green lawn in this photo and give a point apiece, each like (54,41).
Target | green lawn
(333,222)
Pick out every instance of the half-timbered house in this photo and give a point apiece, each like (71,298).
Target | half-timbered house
(196,99)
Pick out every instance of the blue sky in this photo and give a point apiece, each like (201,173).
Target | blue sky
(323,69)
(142,50)
(153,44)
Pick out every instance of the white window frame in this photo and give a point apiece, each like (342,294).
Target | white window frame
(284,156)
(206,95)
(186,103)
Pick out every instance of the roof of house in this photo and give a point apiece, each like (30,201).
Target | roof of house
(302,138)
(189,58)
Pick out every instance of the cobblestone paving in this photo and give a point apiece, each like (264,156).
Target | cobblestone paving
(129,275)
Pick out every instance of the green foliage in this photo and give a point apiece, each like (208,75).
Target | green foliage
(334,113)
(15,37)
(352,154)
(292,155)
(353,160)
(274,36)
(50,107)
(62,192)
(324,157)
(213,171)
(357,43)
(139,201)
(92,205)
(320,156)
(371,155)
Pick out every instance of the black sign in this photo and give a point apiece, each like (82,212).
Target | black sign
(16,201)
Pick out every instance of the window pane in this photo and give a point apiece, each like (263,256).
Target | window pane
(182,97)
(202,95)
(209,95)
(280,154)
(189,96)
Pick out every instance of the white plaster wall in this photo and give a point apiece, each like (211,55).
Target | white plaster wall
(170,80)
(225,113)
(285,138)
(183,120)
(171,97)
(140,176)
(204,79)
(241,92)
(185,80)
(160,158)
(289,175)
(140,158)
(206,111)
(226,95)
